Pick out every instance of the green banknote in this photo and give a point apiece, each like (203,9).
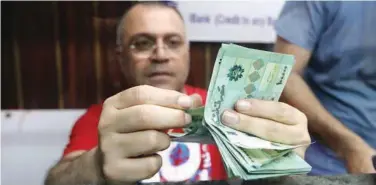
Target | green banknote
(246,73)
(241,73)
(195,127)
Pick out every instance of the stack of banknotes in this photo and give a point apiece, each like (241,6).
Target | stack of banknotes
(239,73)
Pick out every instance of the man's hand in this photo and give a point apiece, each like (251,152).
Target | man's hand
(130,131)
(273,121)
(196,100)
(359,159)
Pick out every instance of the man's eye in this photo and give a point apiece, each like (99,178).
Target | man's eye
(143,44)
(174,43)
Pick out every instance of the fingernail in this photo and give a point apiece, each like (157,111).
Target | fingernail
(243,105)
(185,101)
(188,118)
(230,118)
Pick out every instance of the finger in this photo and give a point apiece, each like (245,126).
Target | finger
(197,100)
(277,111)
(263,128)
(301,151)
(149,95)
(135,144)
(145,117)
(134,169)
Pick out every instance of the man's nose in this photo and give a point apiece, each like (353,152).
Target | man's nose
(161,54)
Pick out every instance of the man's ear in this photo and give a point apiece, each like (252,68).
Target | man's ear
(189,45)
(120,58)
(119,54)
(189,51)
(118,51)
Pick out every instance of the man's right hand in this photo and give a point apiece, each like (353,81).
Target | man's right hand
(131,128)
(358,158)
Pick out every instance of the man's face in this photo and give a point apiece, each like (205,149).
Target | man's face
(155,48)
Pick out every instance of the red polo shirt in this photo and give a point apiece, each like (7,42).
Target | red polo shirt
(181,161)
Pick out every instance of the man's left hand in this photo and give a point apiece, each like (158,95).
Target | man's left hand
(272,121)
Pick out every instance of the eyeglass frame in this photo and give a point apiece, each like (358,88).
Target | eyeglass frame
(150,51)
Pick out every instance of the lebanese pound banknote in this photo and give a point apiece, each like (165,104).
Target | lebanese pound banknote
(195,127)
(241,73)
(195,132)
(245,73)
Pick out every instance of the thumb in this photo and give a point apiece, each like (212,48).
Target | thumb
(197,100)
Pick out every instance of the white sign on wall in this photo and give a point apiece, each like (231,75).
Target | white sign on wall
(230,21)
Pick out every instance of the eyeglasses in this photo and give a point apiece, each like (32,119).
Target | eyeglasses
(144,47)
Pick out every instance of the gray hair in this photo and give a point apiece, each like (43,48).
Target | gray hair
(120,28)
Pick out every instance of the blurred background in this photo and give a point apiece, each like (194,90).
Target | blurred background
(58,58)
(58,55)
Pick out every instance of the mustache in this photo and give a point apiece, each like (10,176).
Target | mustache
(159,69)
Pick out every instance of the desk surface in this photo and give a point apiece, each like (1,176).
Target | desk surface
(364,179)
(318,180)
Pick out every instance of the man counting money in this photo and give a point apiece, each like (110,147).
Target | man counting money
(117,142)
